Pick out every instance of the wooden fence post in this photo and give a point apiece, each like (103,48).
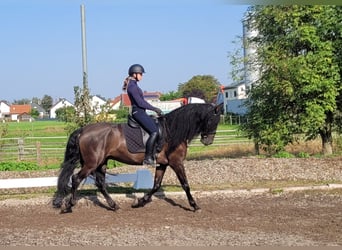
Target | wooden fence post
(38,149)
(20,149)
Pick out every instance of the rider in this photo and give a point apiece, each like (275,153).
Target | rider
(139,106)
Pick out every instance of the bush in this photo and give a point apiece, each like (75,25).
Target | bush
(24,166)
(283,154)
(303,155)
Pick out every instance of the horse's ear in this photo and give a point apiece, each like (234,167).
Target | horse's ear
(219,108)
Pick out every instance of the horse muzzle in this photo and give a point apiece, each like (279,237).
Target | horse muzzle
(207,139)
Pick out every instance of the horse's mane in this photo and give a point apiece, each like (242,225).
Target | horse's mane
(184,123)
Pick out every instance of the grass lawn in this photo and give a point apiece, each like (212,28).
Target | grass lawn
(34,129)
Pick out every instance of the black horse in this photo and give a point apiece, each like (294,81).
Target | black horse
(92,145)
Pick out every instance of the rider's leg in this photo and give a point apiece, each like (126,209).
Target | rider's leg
(151,128)
(150,146)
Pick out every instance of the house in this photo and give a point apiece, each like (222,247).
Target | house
(236,94)
(120,101)
(41,110)
(96,102)
(62,103)
(4,110)
(24,117)
(20,112)
(234,97)
(152,96)
(123,99)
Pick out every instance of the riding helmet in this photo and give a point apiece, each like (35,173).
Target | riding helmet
(136,68)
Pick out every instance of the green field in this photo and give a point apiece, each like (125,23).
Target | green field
(34,129)
(57,128)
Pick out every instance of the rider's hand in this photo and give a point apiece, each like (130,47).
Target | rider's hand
(159,111)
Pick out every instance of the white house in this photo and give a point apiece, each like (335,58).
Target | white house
(236,94)
(61,104)
(4,110)
(96,102)
(234,98)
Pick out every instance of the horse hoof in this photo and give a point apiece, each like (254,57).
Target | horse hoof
(136,203)
(65,208)
(115,208)
(197,209)
(139,203)
(56,204)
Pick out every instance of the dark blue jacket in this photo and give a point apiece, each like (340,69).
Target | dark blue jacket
(139,106)
(136,96)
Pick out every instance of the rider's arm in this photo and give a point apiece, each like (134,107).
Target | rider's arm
(138,98)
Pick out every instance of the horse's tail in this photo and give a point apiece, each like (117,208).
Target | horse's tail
(72,157)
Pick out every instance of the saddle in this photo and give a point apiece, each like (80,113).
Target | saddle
(136,136)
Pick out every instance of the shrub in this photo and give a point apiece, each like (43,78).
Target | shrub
(24,166)
(283,154)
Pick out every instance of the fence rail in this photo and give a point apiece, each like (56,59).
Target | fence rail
(32,148)
(45,149)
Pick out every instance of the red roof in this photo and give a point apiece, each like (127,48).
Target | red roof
(20,109)
(123,99)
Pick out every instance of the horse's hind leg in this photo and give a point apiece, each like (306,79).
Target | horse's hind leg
(68,204)
(100,183)
(76,180)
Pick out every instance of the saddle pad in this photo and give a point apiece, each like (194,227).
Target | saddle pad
(134,139)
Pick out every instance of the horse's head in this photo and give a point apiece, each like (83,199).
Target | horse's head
(210,123)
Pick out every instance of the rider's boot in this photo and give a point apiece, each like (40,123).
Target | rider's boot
(149,154)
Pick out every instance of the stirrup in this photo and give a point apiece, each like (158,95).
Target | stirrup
(149,162)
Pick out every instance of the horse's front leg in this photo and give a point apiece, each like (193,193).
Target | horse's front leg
(180,172)
(158,177)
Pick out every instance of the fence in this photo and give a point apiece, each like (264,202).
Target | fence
(49,149)
(38,149)
(223,138)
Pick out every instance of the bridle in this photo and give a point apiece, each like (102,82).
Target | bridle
(204,135)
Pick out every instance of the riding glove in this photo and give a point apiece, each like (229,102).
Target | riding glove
(158,111)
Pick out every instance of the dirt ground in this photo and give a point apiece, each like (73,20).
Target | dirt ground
(301,218)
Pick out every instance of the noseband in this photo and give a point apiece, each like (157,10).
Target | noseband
(204,135)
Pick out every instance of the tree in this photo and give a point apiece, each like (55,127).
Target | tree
(47,102)
(34,113)
(35,100)
(201,86)
(84,114)
(22,101)
(300,77)
(237,60)
(66,114)
(172,95)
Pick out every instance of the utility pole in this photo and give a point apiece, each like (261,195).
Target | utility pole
(84,49)
(85,98)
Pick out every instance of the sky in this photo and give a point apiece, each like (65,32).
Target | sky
(41,45)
